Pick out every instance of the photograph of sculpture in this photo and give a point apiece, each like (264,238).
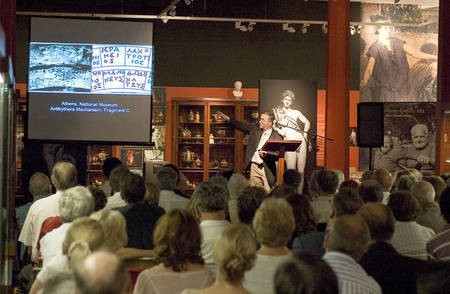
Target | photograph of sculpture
(399,49)
(294,105)
(409,138)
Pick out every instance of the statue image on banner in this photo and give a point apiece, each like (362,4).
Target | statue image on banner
(292,122)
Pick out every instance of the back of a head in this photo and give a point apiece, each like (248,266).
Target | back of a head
(383,177)
(434,278)
(100,198)
(39,184)
(84,236)
(274,222)
(62,283)
(74,203)
(424,192)
(367,175)
(282,191)
(313,187)
(210,197)
(248,201)
(167,178)
(292,177)
(116,177)
(177,240)
(101,272)
(133,188)
(109,164)
(221,181)
(349,185)
(305,274)
(380,220)
(114,226)
(404,183)
(327,181)
(64,175)
(340,175)
(439,185)
(236,184)
(349,235)
(303,213)
(444,204)
(404,206)
(235,252)
(346,202)
(370,191)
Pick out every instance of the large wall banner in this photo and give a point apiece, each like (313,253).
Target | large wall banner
(294,105)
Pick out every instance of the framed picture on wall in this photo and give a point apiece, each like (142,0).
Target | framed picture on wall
(152,154)
(132,157)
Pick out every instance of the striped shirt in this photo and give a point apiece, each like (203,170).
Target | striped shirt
(438,248)
(410,239)
(352,278)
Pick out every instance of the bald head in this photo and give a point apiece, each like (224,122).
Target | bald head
(380,220)
(424,192)
(101,272)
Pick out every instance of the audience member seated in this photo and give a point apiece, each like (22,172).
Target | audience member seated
(168,198)
(140,216)
(409,237)
(328,184)
(282,191)
(234,254)
(303,215)
(350,185)
(305,273)
(430,213)
(115,179)
(438,248)
(434,279)
(64,176)
(236,184)
(100,198)
(385,179)
(273,224)
(84,236)
(370,191)
(39,187)
(73,203)
(367,175)
(101,272)
(344,202)
(345,244)
(248,202)
(394,272)
(292,178)
(313,188)
(438,184)
(108,165)
(210,199)
(115,228)
(178,254)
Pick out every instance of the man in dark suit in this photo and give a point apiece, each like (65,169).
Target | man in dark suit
(394,272)
(261,163)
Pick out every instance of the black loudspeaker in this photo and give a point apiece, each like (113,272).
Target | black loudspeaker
(370,124)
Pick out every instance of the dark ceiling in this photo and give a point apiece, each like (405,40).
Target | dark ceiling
(259,9)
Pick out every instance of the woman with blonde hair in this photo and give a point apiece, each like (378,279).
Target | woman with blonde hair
(114,226)
(177,252)
(84,236)
(234,254)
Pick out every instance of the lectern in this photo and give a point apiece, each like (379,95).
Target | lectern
(278,147)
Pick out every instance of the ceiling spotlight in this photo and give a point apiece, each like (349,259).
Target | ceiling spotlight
(358,29)
(288,28)
(250,26)
(305,27)
(164,17)
(325,28)
(188,2)
(173,11)
(352,30)
(239,26)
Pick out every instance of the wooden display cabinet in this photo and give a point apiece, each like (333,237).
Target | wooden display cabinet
(204,143)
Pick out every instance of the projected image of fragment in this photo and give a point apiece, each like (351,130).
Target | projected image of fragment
(60,67)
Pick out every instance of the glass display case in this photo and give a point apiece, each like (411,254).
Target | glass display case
(204,142)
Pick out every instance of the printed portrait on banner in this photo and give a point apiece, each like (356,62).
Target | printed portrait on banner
(409,138)
(399,51)
(294,105)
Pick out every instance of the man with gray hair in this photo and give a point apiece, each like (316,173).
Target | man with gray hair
(210,199)
(345,244)
(101,272)
(430,215)
(64,176)
(74,203)
(167,178)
